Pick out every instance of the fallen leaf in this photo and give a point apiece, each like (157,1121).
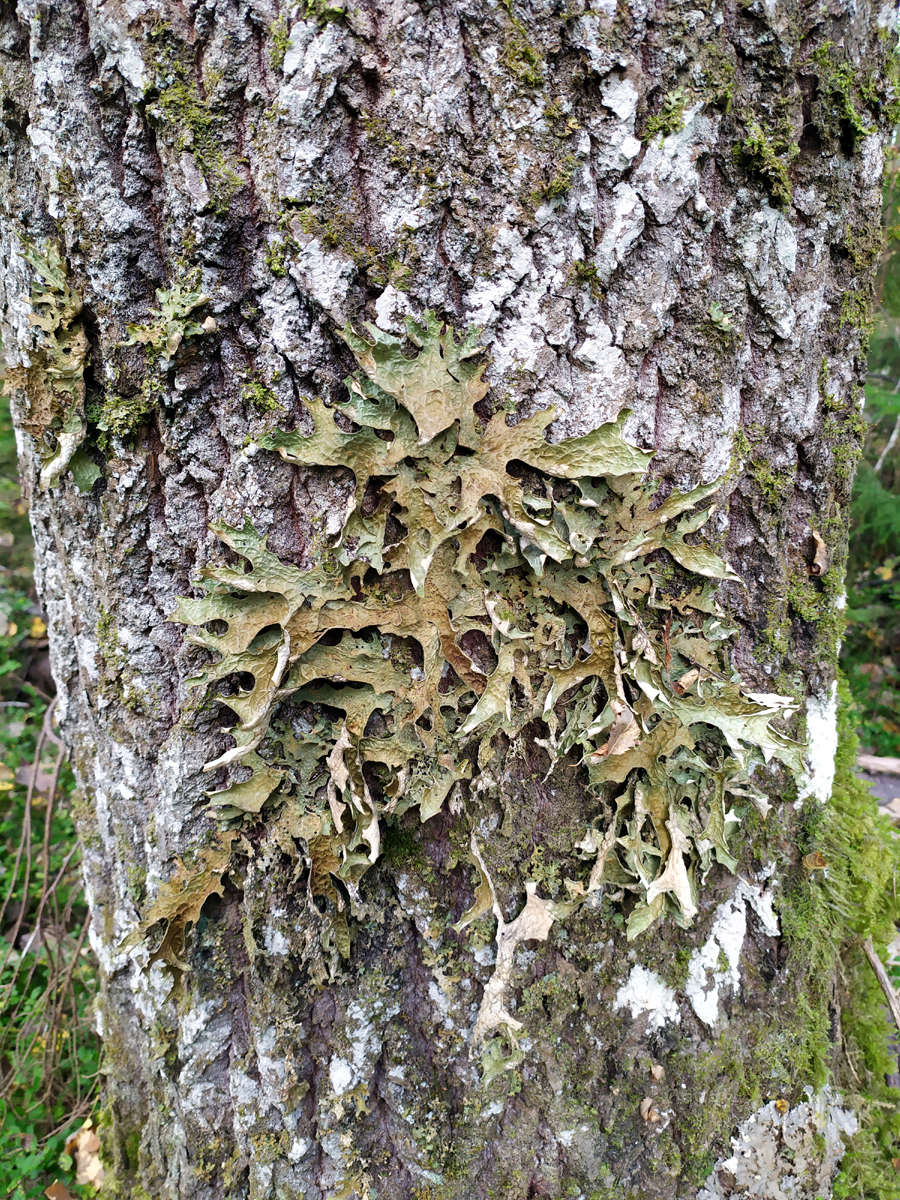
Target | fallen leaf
(876,765)
(820,561)
(41,780)
(649,1111)
(658,1071)
(58,1191)
(814,861)
(84,1146)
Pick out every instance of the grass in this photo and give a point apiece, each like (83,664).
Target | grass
(49,1054)
(871,651)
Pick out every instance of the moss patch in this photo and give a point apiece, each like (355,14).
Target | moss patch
(856,311)
(767,154)
(523,61)
(259,397)
(187,117)
(670,118)
(839,110)
(584,274)
(556,182)
(281,42)
(826,916)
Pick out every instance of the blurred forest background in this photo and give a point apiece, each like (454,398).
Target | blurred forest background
(49,1054)
(871,652)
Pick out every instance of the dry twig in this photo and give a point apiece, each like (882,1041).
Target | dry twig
(883,978)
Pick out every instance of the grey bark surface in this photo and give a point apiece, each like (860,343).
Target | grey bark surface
(322,165)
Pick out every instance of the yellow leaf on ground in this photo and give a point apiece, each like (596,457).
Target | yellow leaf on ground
(58,1191)
(84,1147)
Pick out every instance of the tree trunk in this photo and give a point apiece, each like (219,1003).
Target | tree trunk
(491,713)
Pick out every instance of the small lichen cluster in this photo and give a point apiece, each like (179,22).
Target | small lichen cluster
(162,336)
(172,322)
(485,579)
(53,384)
(58,411)
(670,118)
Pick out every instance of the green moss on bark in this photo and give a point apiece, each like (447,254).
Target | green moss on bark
(189,118)
(669,119)
(826,916)
(839,85)
(767,154)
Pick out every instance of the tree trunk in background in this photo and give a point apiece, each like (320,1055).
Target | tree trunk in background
(664,209)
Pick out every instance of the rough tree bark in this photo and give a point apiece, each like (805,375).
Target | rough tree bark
(655,208)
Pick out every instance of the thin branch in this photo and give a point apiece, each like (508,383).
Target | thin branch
(883,978)
(891,443)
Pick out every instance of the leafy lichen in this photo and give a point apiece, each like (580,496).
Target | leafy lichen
(53,384)
(484,578)
(720,325)
(179,901)
(172,321)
